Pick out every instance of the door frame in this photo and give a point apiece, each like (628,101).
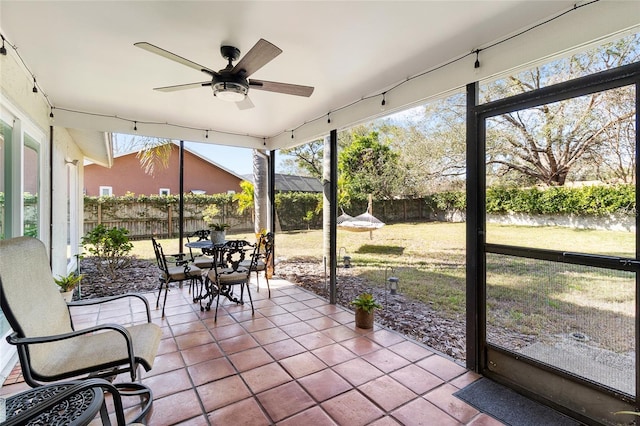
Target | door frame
(581,399)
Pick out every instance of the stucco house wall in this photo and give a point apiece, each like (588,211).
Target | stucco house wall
(127,175)
(58,149)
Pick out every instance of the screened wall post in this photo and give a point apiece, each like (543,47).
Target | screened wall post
(473,232)
(181,200)
(637,332)
(333,231)
(272,191)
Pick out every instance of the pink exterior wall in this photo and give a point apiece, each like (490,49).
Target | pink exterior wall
(126,175)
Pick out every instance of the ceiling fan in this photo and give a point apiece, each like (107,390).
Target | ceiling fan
(232,83)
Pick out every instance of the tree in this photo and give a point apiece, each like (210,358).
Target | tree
(306,159)
(152,152)
(245,198)
(433,146)
(615,160)
(369,167)
(548,142)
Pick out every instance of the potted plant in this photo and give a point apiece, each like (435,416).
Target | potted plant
(218,229)
(67,284)
(218,232)
(365,305)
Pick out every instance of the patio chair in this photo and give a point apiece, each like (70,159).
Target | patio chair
(49,347)
(233,273)
(202,261)
(175,268)
(264,258)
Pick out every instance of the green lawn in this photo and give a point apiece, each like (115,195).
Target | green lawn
(528,296)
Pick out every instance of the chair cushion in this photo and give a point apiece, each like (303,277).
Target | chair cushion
(228,276)
(100,349)
(28,287)
(203,262)
(176,273)
(260,265)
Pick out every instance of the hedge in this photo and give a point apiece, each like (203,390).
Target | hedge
(584,201)
(301,210)
(296,210)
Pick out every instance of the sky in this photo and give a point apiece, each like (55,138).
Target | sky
(240,160)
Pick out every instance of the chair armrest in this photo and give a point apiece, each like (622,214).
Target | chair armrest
(13,338)
(87,302)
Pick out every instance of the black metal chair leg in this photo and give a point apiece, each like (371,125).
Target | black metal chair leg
(164,303)
(268,287)
(195,281)
(250,300)
(215,316)
(143,392)
(159,294)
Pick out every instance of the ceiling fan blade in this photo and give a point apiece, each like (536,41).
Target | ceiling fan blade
(182,86)
(179,59)
(245,104)
(288,89)
(259,55)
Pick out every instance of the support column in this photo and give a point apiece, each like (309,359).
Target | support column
(260,190)
(272,191)
(475,233)
(330,209)
(181,202)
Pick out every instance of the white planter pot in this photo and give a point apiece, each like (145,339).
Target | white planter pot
(67,295)
(218,237)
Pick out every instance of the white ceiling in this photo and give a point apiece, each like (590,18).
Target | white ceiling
(83,56)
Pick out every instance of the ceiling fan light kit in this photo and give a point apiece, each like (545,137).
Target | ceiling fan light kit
(231,83)
(230,91)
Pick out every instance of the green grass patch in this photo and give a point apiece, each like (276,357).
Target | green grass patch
(528,296)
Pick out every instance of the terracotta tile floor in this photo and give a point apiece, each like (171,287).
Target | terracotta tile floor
(298,361)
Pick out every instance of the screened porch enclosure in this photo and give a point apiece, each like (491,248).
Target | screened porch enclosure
(577,318)
(569,306)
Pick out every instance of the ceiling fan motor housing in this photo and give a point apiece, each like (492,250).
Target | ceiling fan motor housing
(230,53)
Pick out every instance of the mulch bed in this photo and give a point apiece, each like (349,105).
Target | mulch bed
(139,276)
(409,317)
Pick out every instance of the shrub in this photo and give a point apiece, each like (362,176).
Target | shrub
(585,201)
(110,246)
